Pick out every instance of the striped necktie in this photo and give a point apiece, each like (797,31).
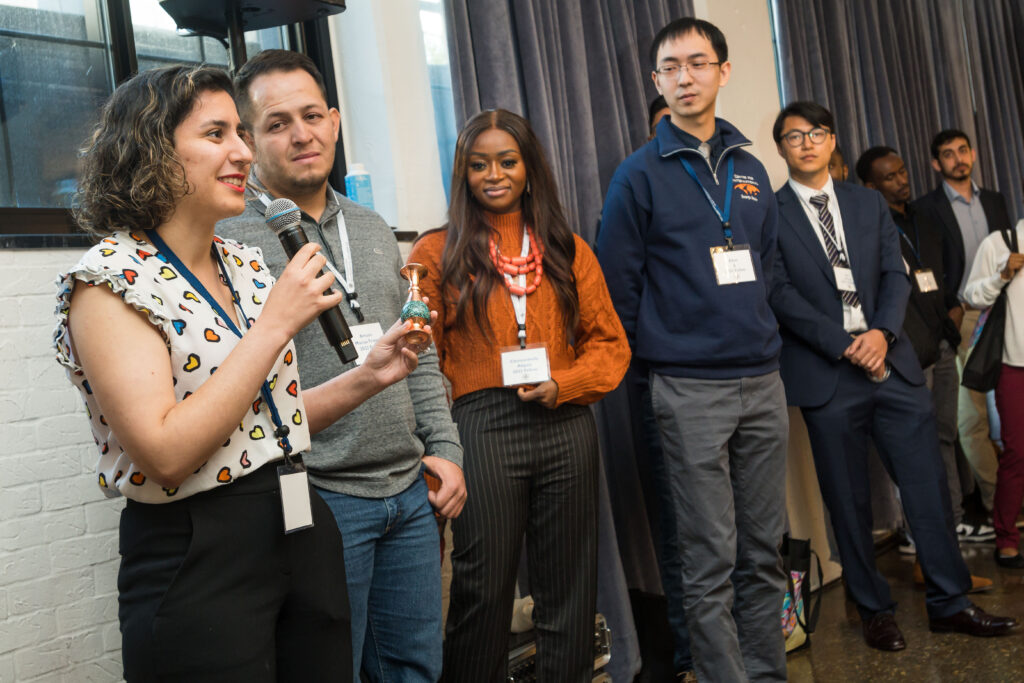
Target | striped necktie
(828,229)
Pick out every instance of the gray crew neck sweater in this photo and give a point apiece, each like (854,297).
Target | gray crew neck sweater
(375,450)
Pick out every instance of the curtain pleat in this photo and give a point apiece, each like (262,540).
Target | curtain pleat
(995,34)
(578,70)
(896,73)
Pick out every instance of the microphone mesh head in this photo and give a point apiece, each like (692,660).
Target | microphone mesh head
(282,213)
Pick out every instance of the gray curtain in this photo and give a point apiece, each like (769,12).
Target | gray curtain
(995,34)
(576,69)
(895,73)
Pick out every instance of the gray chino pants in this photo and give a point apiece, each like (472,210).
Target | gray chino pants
(725,453)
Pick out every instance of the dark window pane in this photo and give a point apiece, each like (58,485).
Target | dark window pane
(55,74)
(49,96)
(69,19)
(158,43)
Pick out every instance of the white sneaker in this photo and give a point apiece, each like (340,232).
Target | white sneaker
(975,533)
(907,547)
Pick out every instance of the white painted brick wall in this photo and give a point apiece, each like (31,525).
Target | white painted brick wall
(58,534)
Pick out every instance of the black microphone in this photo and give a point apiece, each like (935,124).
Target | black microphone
(283,217)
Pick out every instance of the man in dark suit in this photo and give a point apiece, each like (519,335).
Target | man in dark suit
(839,293)
(929,325)
(967,214)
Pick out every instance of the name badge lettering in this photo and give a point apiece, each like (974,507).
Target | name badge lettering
(844,279)
(364,337)
(926,280)
(525,366)
(733,266)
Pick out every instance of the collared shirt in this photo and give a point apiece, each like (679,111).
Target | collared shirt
(853,316)
(970,215)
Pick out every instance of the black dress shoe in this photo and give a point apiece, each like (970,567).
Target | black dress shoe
(973,621)
(882,633)
(1010,561)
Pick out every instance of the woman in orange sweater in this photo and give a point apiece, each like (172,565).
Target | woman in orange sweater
(527,335)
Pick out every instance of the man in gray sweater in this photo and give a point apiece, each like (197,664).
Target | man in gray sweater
(367,465)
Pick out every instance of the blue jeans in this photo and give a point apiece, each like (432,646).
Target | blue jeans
(393,566)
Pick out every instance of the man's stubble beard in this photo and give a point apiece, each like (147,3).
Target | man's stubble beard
(290,186)
(304,185)
(959,176)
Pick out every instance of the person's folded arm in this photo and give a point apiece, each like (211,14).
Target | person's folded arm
(800,317)
(986,279)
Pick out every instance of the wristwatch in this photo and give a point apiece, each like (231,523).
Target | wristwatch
(890,338)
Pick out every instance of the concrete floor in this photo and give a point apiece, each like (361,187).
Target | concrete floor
(838,652)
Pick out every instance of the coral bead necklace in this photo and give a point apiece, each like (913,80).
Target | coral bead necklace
(513,266)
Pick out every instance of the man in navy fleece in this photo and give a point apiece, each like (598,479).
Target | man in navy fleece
(687,246)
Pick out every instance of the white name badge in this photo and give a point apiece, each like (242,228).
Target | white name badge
(844,279)
(364,337)
(926,280)
(295,501)
(733,266)
(525,366)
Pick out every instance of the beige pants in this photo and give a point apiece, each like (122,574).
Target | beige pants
(972,421)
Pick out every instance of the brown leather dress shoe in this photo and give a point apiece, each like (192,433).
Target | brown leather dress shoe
(979,584)
(973,621)
(882,633)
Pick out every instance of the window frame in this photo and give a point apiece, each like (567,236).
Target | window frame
(49,228)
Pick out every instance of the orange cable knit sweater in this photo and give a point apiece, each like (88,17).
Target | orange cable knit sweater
(584,371)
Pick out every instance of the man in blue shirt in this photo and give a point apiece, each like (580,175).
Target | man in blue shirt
(967,214)
(686,244)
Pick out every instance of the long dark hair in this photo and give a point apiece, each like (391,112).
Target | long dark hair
(466,265)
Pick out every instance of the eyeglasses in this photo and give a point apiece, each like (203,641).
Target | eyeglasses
(795,138)
(694,68)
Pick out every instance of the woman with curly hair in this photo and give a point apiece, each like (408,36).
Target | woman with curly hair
(528,337)
(180,343)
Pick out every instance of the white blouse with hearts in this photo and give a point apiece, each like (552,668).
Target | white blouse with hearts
(197,342)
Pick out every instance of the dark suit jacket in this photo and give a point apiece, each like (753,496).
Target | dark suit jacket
(936,205)
(808,305)
(927,321)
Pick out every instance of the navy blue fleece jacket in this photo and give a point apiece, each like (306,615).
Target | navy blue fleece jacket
(657,230)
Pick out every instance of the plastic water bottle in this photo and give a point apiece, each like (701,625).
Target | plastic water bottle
(358,187)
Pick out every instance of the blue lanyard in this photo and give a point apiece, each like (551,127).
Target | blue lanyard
(722,215)
(916,248)
(281,430)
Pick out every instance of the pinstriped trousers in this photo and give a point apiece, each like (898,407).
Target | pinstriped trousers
(529,470)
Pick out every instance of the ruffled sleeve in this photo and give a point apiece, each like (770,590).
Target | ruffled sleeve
(118,262)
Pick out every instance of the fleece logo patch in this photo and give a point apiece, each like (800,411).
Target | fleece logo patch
(747,186)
